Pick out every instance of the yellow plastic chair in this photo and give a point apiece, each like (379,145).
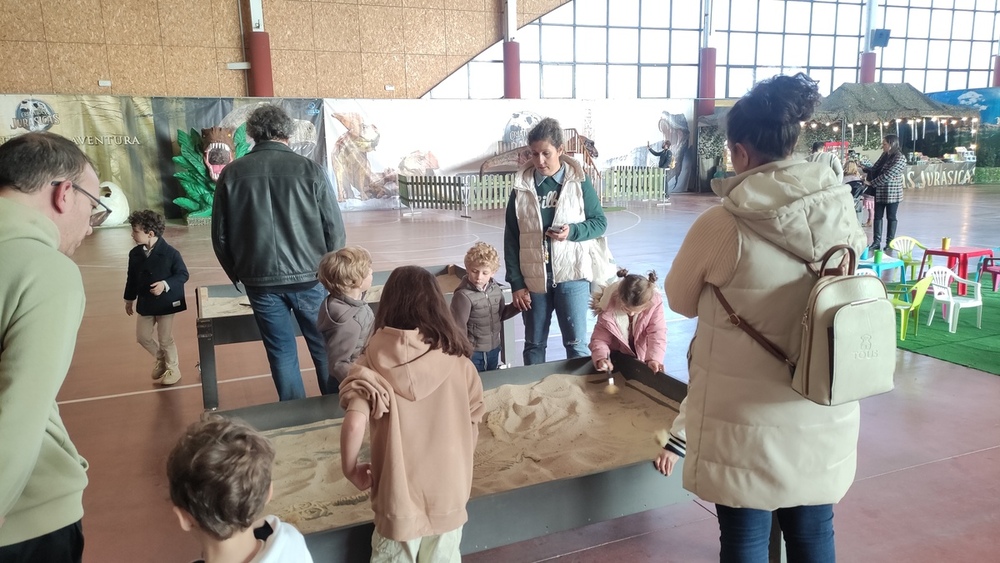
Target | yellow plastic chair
(904,249)
(912,307)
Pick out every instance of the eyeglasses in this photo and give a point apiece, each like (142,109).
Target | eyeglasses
(100,211)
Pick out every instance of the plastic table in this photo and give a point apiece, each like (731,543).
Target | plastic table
(957,255)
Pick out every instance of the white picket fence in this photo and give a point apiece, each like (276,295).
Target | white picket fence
(474,193)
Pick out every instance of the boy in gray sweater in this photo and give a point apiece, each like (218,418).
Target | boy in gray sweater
(345,319)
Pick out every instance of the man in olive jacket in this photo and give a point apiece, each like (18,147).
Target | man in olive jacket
(49,202)
(273,218)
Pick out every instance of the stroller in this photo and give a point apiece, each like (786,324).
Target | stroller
(858,193)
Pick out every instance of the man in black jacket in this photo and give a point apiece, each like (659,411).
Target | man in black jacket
(666,163)
(273,218)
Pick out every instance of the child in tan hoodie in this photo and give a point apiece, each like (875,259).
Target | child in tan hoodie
(416,384)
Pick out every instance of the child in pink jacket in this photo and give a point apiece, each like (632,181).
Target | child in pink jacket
(630,320)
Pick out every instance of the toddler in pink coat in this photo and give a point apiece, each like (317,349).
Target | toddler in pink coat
(630,320)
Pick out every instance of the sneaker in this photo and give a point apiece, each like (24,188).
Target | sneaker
(159,368)
(170,377)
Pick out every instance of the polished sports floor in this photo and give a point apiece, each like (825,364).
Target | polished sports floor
(927,486)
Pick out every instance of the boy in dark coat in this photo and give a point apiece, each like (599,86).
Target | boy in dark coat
(156,276)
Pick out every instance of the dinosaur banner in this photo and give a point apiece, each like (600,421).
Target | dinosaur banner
(197,137)
(165,153)
(372,142)
(116,132)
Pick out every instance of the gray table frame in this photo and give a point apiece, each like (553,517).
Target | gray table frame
(520,514)
(216,331)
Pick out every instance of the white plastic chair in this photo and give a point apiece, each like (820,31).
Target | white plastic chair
(951,304)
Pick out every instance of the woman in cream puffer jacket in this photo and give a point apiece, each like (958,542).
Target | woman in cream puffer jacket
(754,445)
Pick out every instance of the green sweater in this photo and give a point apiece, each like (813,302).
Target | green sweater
(593,227)
(42,476)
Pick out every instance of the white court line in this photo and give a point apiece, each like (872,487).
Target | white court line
(164,389)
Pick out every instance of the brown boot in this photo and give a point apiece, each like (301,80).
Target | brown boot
(159,368)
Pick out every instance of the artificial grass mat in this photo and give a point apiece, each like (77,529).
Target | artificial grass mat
(968,346)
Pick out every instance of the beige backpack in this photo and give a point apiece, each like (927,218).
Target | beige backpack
(848,349)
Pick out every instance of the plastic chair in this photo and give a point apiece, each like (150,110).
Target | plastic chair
(904,248)
(990,265)
(951,305)
(908,308)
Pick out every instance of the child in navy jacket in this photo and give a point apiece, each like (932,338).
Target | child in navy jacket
(155,286)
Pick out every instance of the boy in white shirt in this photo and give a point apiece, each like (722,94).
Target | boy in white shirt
(220,480)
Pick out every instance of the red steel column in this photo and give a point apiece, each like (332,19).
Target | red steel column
(706,81)
(996,71)
(511,70)
(867,67)
(260,81)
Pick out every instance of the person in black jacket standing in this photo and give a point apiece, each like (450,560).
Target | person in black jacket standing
(666,163)
(154,288)
(274,217)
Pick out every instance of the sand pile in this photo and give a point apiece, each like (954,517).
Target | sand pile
(559,427)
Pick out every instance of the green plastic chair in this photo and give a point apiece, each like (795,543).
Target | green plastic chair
(904,249)
(912,307)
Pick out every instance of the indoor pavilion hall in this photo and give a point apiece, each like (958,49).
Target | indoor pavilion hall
(926,486)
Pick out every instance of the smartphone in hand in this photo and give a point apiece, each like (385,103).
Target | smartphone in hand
(555,229)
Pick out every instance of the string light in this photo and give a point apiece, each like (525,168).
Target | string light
(975,119)
(813,125)
(835,129)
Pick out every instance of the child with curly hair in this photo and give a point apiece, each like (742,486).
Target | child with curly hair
(478,305)
(154,288)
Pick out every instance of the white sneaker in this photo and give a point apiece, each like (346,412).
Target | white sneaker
(170,377)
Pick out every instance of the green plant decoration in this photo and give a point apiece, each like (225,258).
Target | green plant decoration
(240,141)
(193,174)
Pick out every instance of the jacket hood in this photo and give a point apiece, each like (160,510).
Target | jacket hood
(19,221)
(335,312)
(401,358)
(574,171)
(601,299)
(787,202)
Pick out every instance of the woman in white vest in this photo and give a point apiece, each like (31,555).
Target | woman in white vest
(552,218)
(753,444)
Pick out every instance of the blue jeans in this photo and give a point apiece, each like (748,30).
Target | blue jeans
(569,300)
(486,361)
(273,313)
(808,533)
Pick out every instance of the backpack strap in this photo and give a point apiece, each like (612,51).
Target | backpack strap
(737,321)
(841,269)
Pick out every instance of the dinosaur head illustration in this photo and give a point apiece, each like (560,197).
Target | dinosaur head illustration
(217,146)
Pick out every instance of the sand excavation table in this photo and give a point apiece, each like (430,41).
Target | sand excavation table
(225,317)
(555,452)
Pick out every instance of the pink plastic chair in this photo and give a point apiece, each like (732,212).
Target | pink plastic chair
(990,266)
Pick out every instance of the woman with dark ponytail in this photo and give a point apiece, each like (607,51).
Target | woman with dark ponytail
(754,445)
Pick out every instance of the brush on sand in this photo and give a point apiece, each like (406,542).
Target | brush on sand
(611,389)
